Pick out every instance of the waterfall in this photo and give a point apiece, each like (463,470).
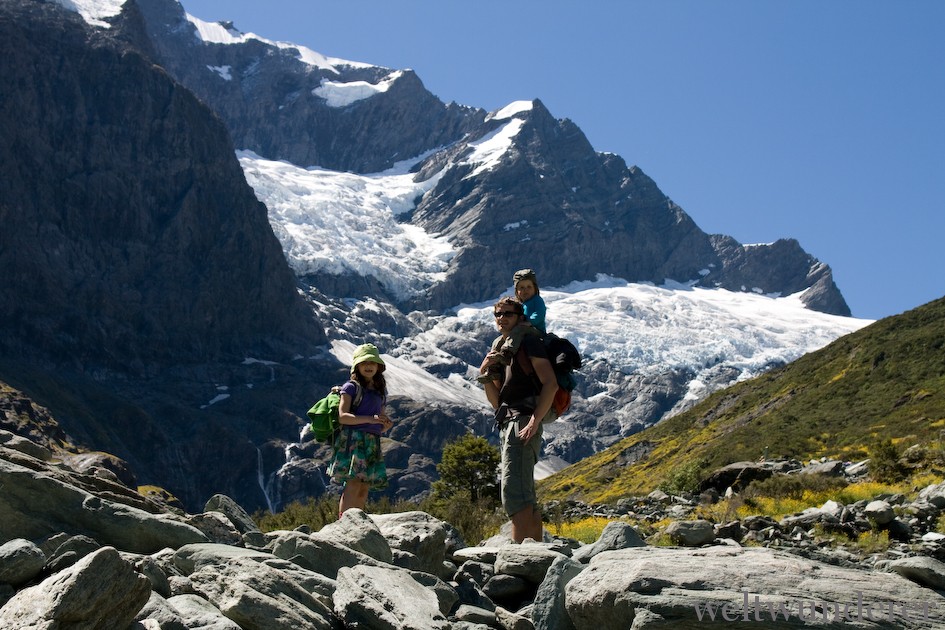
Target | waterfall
(260,477)
(271,485)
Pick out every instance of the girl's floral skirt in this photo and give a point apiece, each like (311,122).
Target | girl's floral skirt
(357,455)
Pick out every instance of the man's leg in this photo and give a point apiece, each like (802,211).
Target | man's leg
(518,480)
(526,523)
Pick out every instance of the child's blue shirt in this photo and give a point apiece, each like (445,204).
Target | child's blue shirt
(535,312)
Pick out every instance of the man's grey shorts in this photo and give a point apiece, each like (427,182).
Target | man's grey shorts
(518,464)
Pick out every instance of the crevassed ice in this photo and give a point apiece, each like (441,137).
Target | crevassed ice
(338,223)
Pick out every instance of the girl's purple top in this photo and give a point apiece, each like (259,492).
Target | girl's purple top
(372,403)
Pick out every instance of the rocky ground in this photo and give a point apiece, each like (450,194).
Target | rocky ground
(82,550)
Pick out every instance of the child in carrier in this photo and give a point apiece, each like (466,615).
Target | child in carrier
(526,290)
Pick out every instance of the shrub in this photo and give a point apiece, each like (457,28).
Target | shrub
(884,462)
(685,478)
(475,521)
(315,513)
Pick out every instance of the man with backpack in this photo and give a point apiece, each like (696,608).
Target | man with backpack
(522,401)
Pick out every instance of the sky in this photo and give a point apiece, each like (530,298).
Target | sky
(816,120)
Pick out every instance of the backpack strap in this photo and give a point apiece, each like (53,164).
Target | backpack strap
(358,395)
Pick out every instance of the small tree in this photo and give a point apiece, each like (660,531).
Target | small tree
(469,465)
(884,464)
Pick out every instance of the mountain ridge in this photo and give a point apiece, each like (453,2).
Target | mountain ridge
(577,201)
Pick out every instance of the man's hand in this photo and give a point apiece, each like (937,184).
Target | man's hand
(529,430)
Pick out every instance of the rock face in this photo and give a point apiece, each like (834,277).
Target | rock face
(270,103)
(661,588)
(137,262)
(131,240)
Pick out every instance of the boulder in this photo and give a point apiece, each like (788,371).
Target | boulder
(25,446)
(20,562)
(356,530)
(324,556)
(223,504)
(159,611)
(691,533)
(100,591)
(829,468)
(921,570)
(737,476)
(55,505)
(880,512)
(616,535)
(216,527)
(548,610)
(102,465)
(528,561)
(934,494)
(689,589)
(417,533)
(386,598)
(190,558)
(258,596)
(197,612)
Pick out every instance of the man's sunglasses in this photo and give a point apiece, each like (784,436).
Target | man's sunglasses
(499,314)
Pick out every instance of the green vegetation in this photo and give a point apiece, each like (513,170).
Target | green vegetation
(882,384)
(469,466)
(884,462)
(685,478)
(466,496)
(312,513)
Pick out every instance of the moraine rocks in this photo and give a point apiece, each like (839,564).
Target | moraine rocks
(65,563)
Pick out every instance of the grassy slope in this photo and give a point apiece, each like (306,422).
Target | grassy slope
(885,381)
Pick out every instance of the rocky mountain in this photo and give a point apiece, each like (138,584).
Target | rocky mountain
(148,309)
(289,103)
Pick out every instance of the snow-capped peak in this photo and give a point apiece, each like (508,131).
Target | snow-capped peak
(516,107)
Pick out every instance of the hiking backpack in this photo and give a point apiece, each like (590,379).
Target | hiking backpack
(324,413)
(565,358)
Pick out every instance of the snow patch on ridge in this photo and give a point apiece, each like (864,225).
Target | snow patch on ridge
(216,33)
(488,150)
(94,12)
(343,94)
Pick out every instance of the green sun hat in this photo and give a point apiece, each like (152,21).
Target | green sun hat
(367,352)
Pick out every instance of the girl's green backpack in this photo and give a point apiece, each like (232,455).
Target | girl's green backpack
(324,413)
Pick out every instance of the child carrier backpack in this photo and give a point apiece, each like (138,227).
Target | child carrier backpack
(565,358)
(324,413)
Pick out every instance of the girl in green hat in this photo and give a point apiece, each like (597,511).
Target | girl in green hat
(358,462)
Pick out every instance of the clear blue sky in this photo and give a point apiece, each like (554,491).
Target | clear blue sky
(820,120)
